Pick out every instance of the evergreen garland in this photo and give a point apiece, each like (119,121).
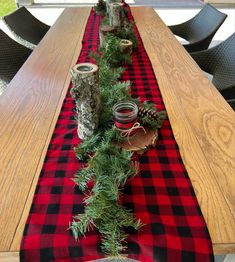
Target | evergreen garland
(112,53)
(100,7)
(108,166)
(127,32)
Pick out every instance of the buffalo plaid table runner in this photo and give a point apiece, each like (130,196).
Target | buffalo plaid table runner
(161,195)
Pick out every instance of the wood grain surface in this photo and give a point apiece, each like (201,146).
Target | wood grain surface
(29,110)
(9,256)
(203,125)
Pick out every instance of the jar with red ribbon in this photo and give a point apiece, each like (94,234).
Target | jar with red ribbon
(125,115)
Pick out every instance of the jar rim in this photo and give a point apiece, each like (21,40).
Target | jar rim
(122,105)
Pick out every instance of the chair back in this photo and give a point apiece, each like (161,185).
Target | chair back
(12,57)
(23,24)
(220,62)
(200,29)
(231,102)
(205,24)
(222,65)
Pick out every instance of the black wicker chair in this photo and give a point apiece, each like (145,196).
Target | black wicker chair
(24,25)
(232,103)
(219,61)
(200,30)
(12,57)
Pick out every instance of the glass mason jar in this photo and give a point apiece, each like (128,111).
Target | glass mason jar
(125,115)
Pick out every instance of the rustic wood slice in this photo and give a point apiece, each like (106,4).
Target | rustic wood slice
(140,141)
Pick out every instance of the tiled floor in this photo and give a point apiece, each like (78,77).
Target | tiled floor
(157,3)
(79,2)
(169,16)
(170,3)
(174,16)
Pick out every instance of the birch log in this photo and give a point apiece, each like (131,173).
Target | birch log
(116,14)
(85,92)
(126,46)
(107,5)
(108,2)
(103,30)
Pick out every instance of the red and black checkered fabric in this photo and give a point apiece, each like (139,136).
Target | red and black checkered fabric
(161,195)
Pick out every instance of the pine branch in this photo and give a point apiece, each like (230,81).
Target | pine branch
(82,177)
(127,32)
(154,123)
(148,105)
(149,115)
(100,7)
(112,135)
(105,21)
(112,239)
(80,227)
(112,52)
(88,146)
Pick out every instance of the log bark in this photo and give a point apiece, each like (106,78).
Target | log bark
(85,92)
(116,14)
(126,46)
(103,30)
(107,5)
(108,2)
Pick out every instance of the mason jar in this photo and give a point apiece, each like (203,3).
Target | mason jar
(125,115)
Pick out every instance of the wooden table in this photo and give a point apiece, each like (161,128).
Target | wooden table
(202,122)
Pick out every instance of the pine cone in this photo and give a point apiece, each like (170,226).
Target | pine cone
(150,113)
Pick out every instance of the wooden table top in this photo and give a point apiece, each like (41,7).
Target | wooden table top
(202,122)
(203,125)
(29,110)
